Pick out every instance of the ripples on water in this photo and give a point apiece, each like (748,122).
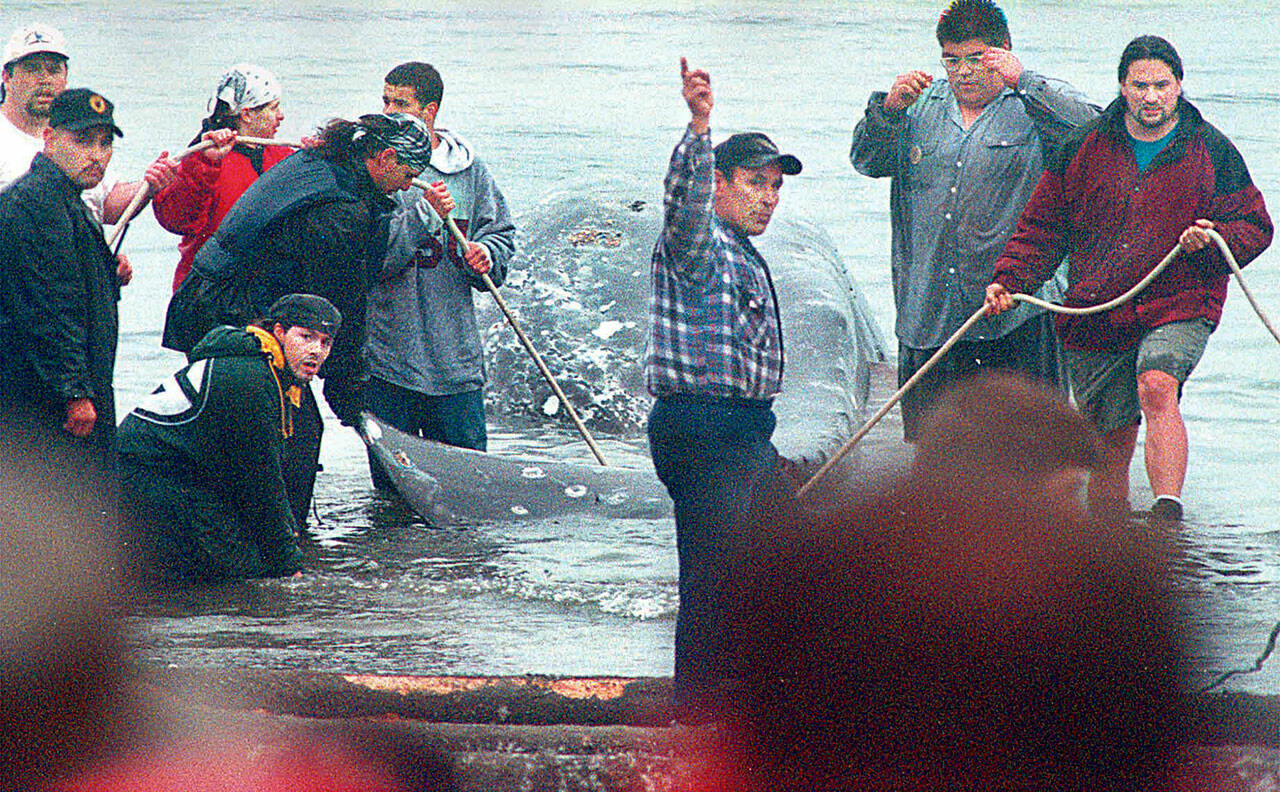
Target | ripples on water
(561,89)
(391,594)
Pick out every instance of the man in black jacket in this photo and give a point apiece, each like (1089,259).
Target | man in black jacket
(201,456)
(58,298)
(315,223)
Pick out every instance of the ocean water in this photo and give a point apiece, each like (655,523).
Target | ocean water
(558,94)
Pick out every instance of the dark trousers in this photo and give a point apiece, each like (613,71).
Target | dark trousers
(717,462)
(183,533)
(301,459)
(456,419)
(1031,349)
(81,473)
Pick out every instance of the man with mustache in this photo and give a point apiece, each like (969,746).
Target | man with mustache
(35,72)
(714,364)
(201,457)
(58,316)
(1149,175)
(964,154)
(316,223)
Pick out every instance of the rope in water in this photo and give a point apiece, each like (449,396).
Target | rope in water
(1257,664)
(972,320)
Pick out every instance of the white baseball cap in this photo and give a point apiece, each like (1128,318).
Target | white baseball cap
(32,39)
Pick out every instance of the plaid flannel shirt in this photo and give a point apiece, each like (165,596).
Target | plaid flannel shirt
(714,323)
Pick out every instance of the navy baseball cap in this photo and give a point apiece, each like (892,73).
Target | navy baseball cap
(80,108)
(753,150)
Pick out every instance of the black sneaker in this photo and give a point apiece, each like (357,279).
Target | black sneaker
(1166,509)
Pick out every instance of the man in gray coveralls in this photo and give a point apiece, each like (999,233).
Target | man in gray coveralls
(964,153)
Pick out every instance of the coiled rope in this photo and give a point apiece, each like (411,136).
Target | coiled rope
(1026,298)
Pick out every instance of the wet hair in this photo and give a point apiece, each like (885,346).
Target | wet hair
(220,118)
(422,77)
(974,19)
(354,140)
(1149,48)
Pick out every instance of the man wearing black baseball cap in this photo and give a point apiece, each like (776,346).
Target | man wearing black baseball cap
(201,457)
(317,222)
(714,365)
(58,297)
(34,73)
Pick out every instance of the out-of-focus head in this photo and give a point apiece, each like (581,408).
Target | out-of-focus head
(63,678)
(934,633)
(1001,436)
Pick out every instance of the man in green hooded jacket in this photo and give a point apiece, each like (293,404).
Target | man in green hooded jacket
(201,456)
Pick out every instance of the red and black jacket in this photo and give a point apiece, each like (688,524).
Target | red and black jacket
(1115,224)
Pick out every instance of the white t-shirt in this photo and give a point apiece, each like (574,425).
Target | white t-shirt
(17,149)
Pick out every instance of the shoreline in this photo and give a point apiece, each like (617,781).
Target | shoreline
(580,733)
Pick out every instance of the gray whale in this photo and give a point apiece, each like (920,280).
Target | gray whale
(580,288)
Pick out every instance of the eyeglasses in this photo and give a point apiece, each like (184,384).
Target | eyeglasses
(952,62)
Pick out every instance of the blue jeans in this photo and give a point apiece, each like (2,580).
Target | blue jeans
(456,419)
(715,457)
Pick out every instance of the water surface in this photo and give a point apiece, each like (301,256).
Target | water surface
(560,93)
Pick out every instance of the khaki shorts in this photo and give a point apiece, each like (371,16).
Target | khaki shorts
(1105,384)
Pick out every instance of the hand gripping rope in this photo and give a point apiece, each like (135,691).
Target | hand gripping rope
(1026,298)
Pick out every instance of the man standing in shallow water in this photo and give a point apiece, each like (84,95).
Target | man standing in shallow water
(1148,175)
(714,364)
(58,315)
(964,154)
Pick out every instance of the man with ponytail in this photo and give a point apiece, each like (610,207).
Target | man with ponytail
(317,223)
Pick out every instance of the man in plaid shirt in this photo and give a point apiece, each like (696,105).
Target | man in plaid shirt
(714,364)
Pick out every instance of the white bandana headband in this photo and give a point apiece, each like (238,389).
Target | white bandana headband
(246,86)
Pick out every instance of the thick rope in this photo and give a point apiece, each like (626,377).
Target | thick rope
(144,190)
(972,320)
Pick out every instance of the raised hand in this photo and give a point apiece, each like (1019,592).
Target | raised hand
(907,89)
(697,94)
(1005,63)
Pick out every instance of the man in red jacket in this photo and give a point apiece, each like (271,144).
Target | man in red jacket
(1148,174)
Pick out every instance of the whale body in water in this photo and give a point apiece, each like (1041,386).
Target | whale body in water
(580,288)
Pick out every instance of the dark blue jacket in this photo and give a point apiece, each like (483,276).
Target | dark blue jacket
(309,225)
(58,295)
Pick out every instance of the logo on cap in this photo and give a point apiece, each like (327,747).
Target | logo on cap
(98,104)
(36,37)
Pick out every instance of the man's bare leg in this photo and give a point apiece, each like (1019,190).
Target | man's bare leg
(1166,446)
(1109,484)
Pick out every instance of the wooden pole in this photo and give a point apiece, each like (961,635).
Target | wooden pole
(524,340)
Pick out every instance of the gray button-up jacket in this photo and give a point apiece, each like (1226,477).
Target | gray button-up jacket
(957,194)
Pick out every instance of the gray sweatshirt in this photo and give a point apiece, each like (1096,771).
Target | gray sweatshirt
(422,332)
